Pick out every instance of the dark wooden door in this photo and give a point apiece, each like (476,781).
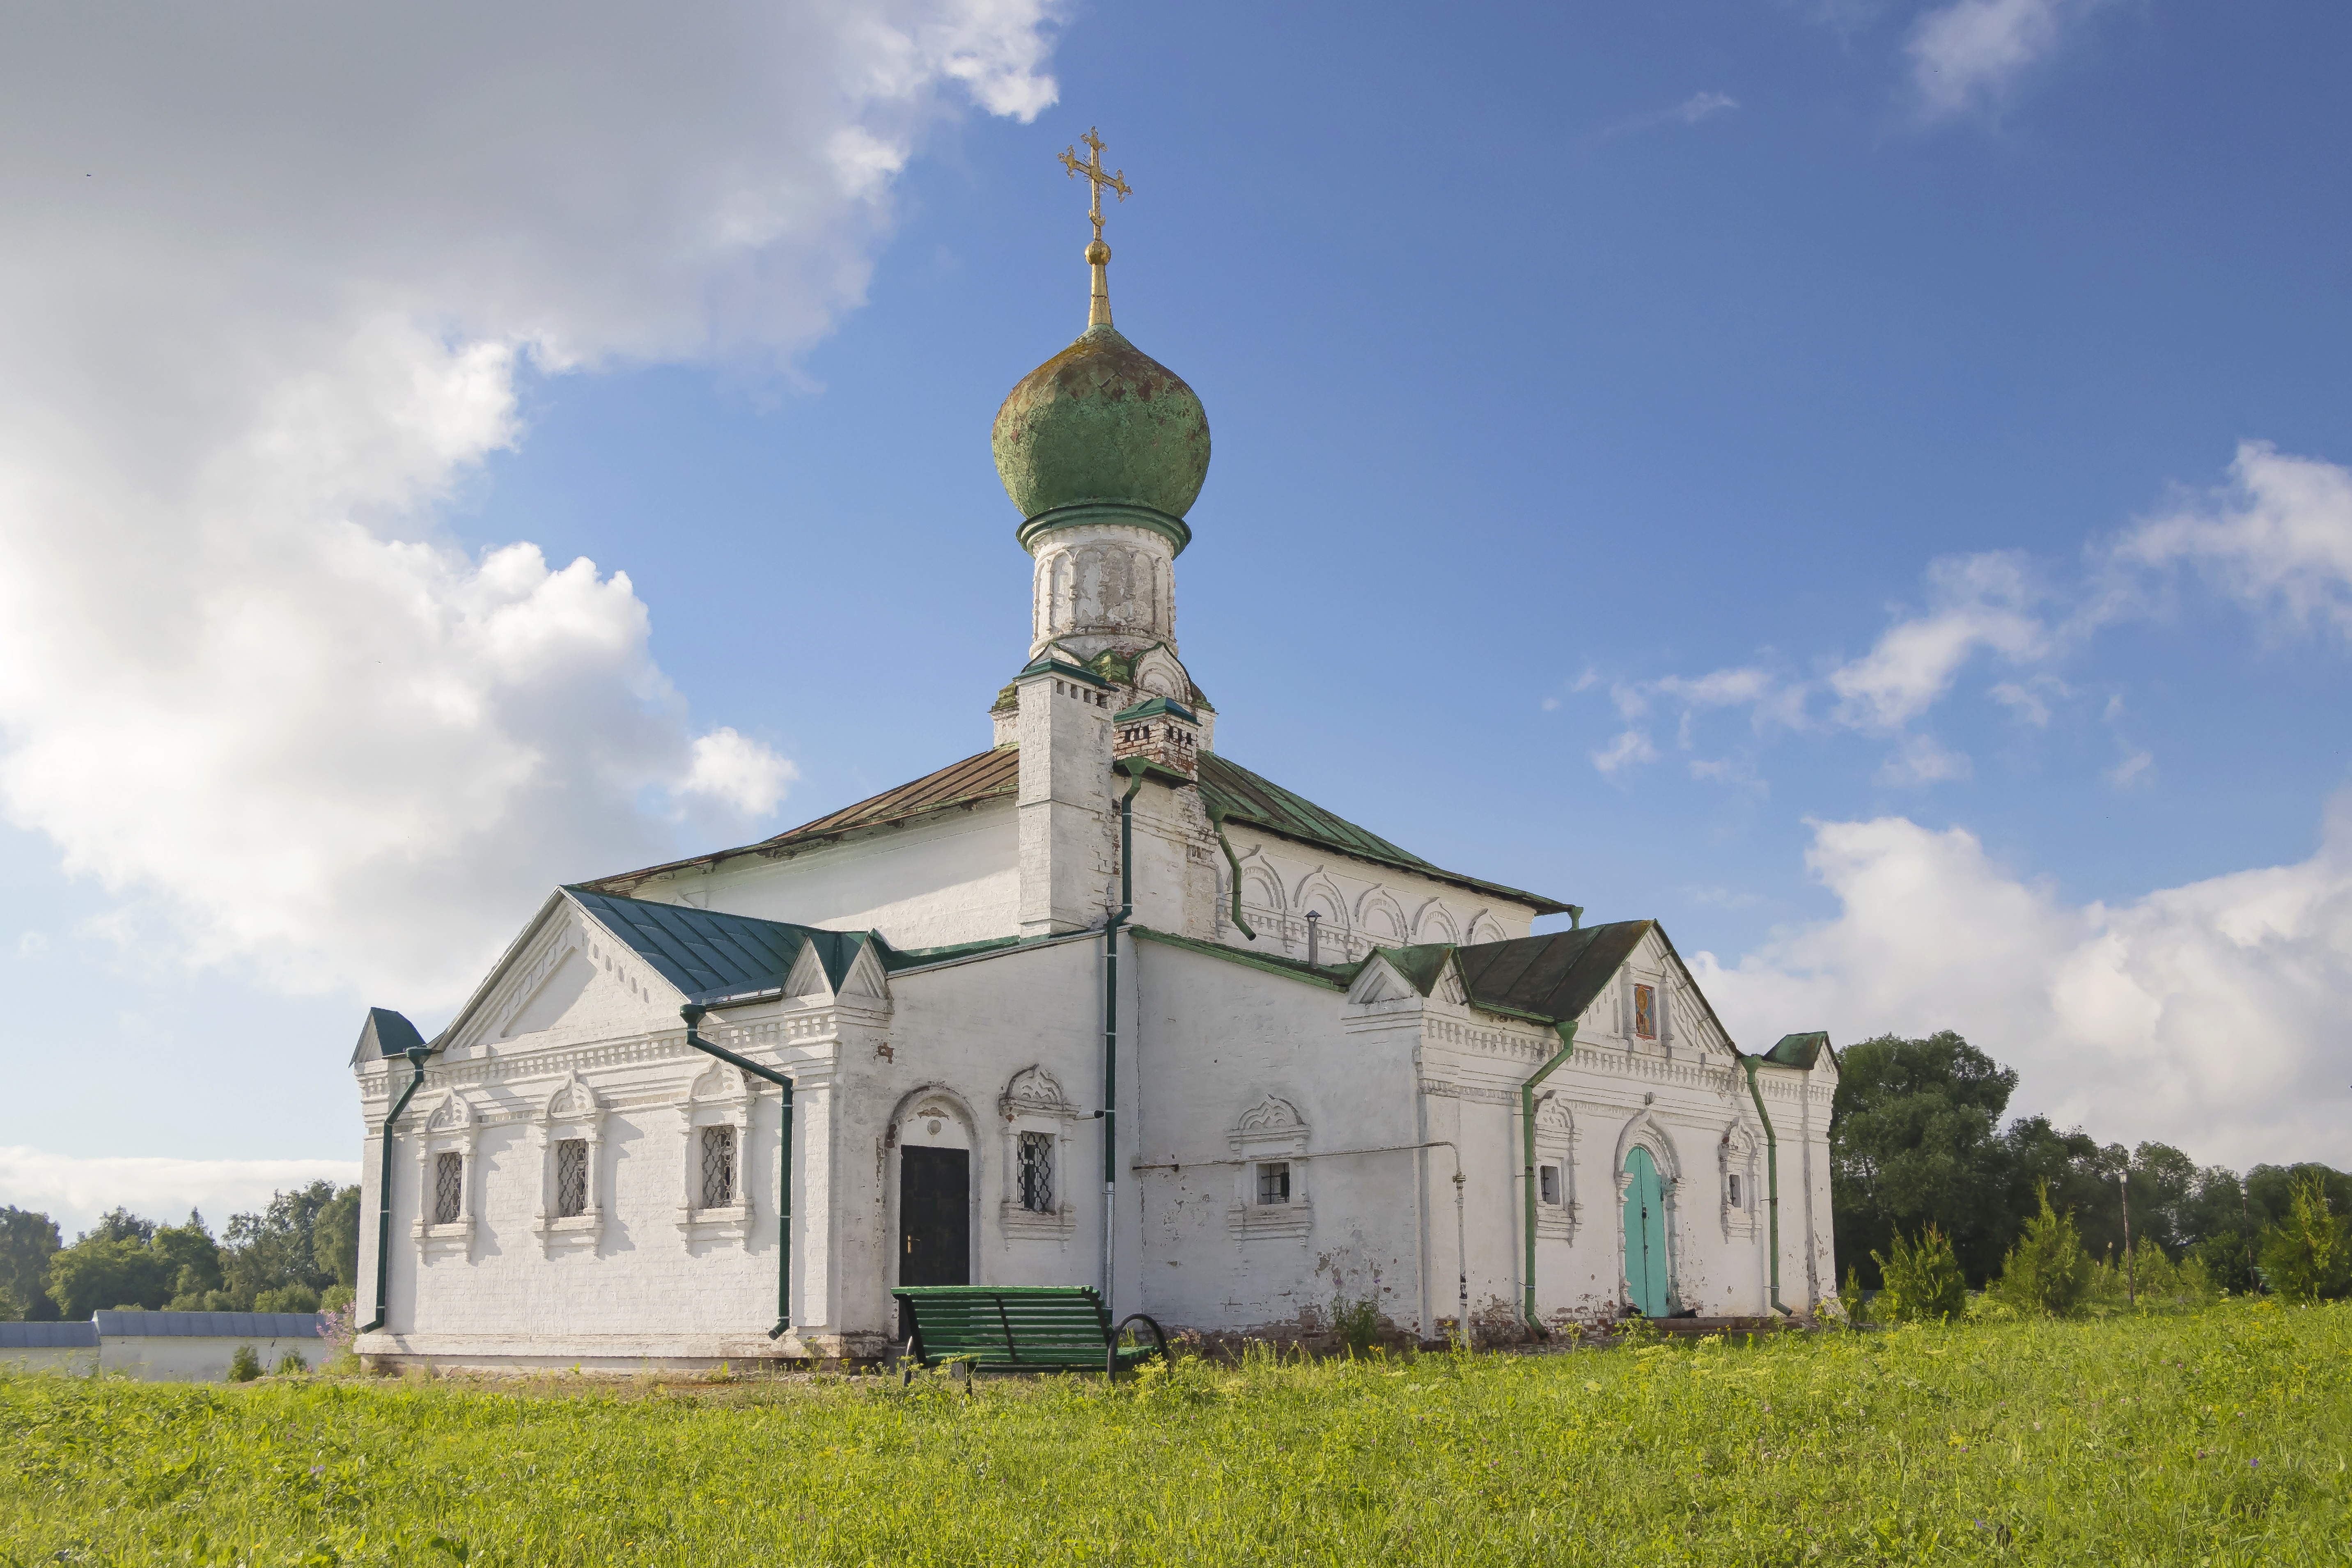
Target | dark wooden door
(934,1217)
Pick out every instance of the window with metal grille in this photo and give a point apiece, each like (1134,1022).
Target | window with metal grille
(1037,1171)
(1645,1012)
(1550,1178)
(448,1189)
(1274,1182)
(570,1177)
(1732,1195)
(717,1168)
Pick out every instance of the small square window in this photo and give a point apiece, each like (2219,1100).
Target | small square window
(1037,1171)
(1645,1012)
(1549,1176)
(717,1168)
(448,1189)
(571,1179)
(1274,1182)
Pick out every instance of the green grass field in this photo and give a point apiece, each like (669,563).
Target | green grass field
(2217,1437)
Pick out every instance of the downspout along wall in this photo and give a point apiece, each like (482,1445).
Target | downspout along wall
(694,1013)
(416,1057)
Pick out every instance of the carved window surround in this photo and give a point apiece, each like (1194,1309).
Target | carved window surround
(719,1097)
(1736,1158)
(573,1111)
(1556,1147)
(454,1127)
(1033,1102)
(1269,1131)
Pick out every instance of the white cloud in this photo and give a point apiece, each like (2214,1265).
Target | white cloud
(274,272)
(1922,759)
(1967,55)
(2134,772)
(1976,603)
(74,1192)
(2278,540)
(1630,748)
(737,772)
(2208,1016)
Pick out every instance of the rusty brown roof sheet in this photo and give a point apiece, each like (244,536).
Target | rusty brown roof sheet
(985,777)
(1232,791)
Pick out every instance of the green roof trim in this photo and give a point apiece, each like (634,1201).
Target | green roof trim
(1338,977)
(1049,666)
(1151,706)
(1234,794)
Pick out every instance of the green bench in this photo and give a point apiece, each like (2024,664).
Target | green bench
(1021,1328)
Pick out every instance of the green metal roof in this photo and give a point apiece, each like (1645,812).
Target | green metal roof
(707,954)
(385,1033)
(1800,1049)
(1554,976)
(1233,793)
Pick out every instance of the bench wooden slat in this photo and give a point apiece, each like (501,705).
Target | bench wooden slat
(1018,1327)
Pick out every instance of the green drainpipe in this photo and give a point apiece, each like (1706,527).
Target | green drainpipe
(693,1013)
(1528,1147)
(1217,823)
(417,1055)
(1134,766)
(1771,1176)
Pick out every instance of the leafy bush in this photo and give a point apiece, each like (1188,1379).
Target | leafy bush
(290,1365)
(244,1365)
(1924,1282)
(2152,1282)
(1357,1323)
(2047,1271)
(1853,1298)
(2308,1254)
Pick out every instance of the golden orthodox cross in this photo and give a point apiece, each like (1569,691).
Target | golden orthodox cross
(1093,170)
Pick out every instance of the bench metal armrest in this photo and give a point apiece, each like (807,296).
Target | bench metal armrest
(1110,1342)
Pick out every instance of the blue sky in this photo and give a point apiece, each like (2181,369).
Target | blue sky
(1863,484)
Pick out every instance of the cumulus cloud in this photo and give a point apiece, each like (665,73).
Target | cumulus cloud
(275,270)
(75,1192)
(2208,1015)
(1977,602)
(2278,540)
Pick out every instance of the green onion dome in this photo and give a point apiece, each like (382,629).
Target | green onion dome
(1102,433)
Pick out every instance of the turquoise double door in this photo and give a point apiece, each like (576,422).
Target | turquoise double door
(1645,1235)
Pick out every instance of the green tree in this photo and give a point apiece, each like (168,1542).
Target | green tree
(2269,1191)
(1912,1142)
(2047,1271)
(2308,1254)
(28,1240)
(97,1271)
(335,1238)
(118,1224)
(277,1247)
(1924,1282)
(191,1260)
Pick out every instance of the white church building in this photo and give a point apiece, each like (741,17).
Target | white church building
(1092,1005)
